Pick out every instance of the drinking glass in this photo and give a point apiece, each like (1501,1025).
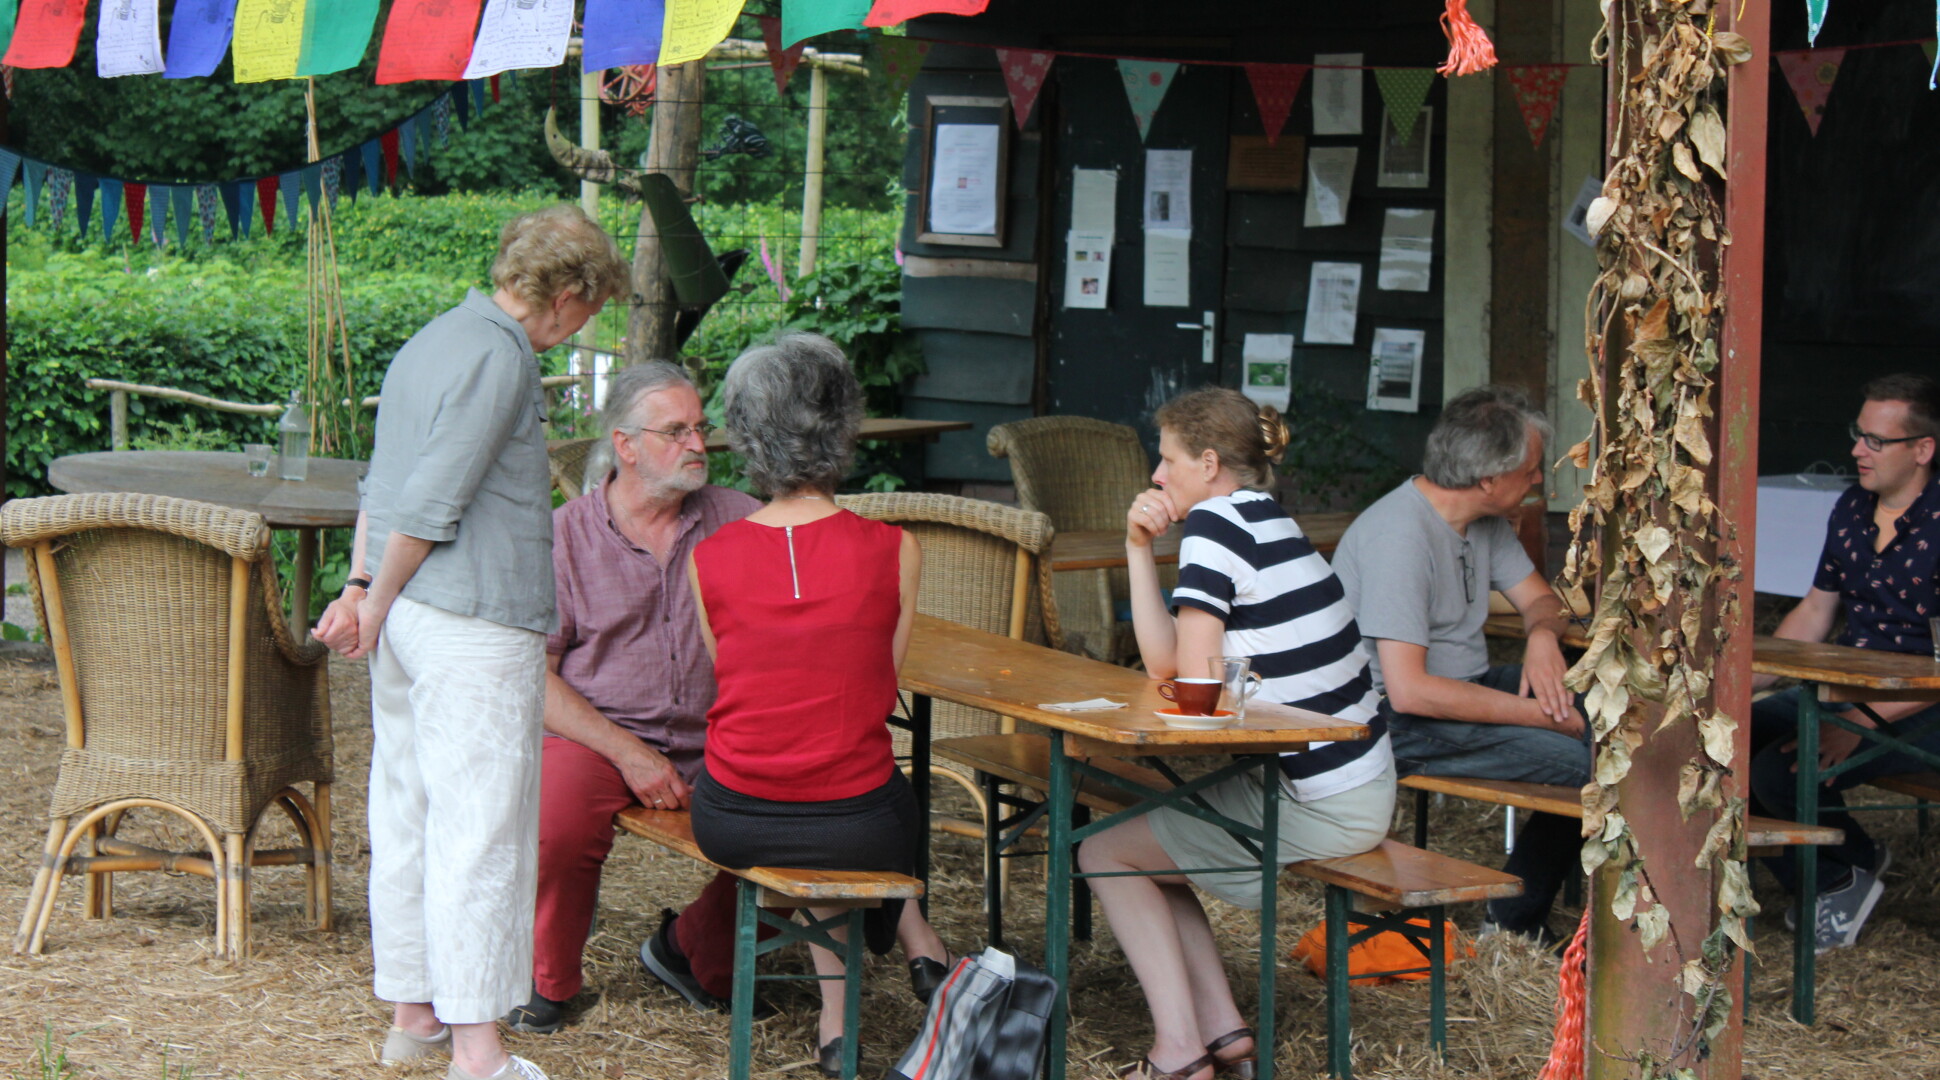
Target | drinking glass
(259,455)
(1237,678)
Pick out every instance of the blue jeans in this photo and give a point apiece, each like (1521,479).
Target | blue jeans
(1774,786)
(1547,847)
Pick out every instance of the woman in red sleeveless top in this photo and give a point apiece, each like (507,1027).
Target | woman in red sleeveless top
(806,609)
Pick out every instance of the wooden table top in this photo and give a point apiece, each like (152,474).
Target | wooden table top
(876,427)
(956,663)
(327,498)
(1105,549)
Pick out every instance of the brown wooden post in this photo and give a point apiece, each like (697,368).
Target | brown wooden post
(1519,337)
(674,149)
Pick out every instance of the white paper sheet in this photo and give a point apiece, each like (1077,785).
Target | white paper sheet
(1330,184)
(1094,201)
(1168,267)
(1337,93)
(1269,363)
(1394,376)
(1576,222)
(1333,299)
(1168,189)
(1404,159)
(128,39)
(1407,250)
(520,34)
(963,180)
(1087,269)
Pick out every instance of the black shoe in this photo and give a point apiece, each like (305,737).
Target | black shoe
(540,1016)
(663,961)
(925,975)
(830,1058)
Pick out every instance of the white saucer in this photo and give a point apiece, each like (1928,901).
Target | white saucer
(1221,718)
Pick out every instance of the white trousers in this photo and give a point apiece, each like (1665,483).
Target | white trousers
(457,709)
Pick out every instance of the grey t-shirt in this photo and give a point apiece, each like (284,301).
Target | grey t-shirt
(1403,567)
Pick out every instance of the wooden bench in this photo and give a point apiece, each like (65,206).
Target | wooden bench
(783,887)
(1367,894)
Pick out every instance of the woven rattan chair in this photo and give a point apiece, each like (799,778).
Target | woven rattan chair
(183,691)
(567,461)
(1082,474)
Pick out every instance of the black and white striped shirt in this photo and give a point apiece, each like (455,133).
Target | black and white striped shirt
(1244,560)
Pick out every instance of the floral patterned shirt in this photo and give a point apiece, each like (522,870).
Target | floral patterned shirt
(1889,595)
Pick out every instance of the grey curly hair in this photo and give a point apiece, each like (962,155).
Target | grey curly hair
(1483,432)
(792,410)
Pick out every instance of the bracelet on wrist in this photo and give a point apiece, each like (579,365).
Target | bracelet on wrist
(359,582)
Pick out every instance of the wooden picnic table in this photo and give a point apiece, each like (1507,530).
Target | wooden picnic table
(1014,678)
(1104,549)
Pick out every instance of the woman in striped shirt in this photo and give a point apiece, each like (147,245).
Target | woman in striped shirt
(1249,585)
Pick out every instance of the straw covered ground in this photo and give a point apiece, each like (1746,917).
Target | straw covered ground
(142,995)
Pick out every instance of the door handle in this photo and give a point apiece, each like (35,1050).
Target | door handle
(1207,327)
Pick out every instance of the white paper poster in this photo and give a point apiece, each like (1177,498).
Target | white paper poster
(1168,267)
(1407,250)
(520,34)
(1168,189)
(1094,200)
(1394,377)
(1330,184)
(1337,93)
(1269,363)
(1576,222)
(1087,269)
(1333,299)
(1404,160)
(128,39)
(963,180)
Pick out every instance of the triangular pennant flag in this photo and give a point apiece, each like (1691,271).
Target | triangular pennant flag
(9,9)
(519,33)
(158,214)
(1024,73)
(232,201)
(335,35)
(441,119)
(388,141)
(352,180)
(268,39)
(9,168)
(427,41)
(803,19)
(423,123)
(1274,88)
(1814,19)
(290,184)
(783,61)
(133,198)
(1810,74)
(205,211)
(198,36)
(333,172)
(1146,82)
(1403,90)
(461,104)
(85,185)
(1930,46)
(1537,88)
(494,82)
(110,207)
(373,156)
(891,12)
(621,33)
(407,145)
(266,201)
(312,175)
(60,184)
(182,206)
(35,172)
(901,59)
(477,88)
(46,33)
(130,43)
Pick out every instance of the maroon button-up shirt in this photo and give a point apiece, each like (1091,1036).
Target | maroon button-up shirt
(629,638)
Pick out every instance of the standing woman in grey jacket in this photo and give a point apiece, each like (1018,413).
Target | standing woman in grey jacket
(457,522)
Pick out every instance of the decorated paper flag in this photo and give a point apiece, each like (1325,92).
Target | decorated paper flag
(45,34)
(110,207)
(1931,47)
(181,200)
(1537,88)
(476,90)
(8,10)
(441,119)
(232,206)
(133,197)
(9,166)
(290,184)
(311,176)
(1402,91)
(198,35)
(1275,86)
(85,185)
(1810,75)
(335,35)
(901,59)
(269,39)
(388,142)
(693,27)
(60,184)
(266,199)
(461,104)
(127,40)
(427,41)
(407,145)
(35,172)
(333,174)
(891,12)
(1024,73)
(1814,19)
(802,19)
(783,61)
(622,33)
(522,34)
(205,211)
(1146,82)
(373,156)
(158,214)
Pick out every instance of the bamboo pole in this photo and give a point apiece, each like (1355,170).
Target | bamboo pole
(818,133)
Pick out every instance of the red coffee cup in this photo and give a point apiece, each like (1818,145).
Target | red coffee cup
(1195,697)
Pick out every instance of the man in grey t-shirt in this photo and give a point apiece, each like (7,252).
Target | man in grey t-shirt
(1418,567)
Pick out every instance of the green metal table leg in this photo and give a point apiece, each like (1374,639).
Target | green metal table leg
(741,1027)
(1340,1050)
(1438,980)
(1805,944)
(852,996)
(1057,903)
(1269,910)
(1080,890)
(993,863)
(919,772)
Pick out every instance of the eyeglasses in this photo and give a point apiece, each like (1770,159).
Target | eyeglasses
(1468,575)
(678,434)
(1876,443)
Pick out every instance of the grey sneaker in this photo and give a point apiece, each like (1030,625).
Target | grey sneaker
(658,957)
(1883,858)
(515,1068)
(1843,911)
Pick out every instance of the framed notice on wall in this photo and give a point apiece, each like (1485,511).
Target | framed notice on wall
(966,152)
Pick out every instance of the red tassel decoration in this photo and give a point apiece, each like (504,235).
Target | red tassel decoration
(1469,48)
(1566,1052)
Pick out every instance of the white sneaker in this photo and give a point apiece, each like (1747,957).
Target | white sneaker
(515,1068)
(401,1047)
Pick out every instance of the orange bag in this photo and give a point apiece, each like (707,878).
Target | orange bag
(1385,951)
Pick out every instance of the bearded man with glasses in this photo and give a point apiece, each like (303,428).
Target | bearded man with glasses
(1877,568)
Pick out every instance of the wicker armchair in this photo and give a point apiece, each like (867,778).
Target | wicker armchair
(567,461)
(1082,474)
(184,691)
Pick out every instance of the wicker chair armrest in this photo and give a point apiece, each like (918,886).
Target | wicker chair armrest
(240,533)
(307,652)
(1027,529)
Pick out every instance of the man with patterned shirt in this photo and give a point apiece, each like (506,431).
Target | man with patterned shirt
(628,681)
(1878,568)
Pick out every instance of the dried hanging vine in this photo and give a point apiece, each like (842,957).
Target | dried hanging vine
(1669,600)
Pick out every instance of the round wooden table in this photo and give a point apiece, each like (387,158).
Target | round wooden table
(326,499)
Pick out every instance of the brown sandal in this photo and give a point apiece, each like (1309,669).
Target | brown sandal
(1242,1068)
(1145,1070)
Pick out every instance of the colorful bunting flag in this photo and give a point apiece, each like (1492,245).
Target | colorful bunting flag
(1814,19)
(622,33)
(1810,74)
(477,94)
(335,35)
(1537,88)
(290,184)
(1402,91)
(407,144)
(388,142)
(46,33)
(269,39)
(205,211)
(311,177)
(182,206)
(1146,82)
(461,104)
(422,122)
(110,207)
(1024,73)
(891,12)
(9,167)
(60,183)
(158,214)
(783,61)
(232,200)
(198,35)
(35,173)
(127,40)
(9,9)
(519,33)
(441,118)
(803,19)
(266,199)
(373,156)
(133,197)
(1930,47)
(1275,86)
(333,173)
(85,185)
(494,82)
(901,59)
(427,41)
(694,27)
(353,172)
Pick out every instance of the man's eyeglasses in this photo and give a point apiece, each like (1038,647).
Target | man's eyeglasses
(678,434)
(1876,443)
(1468,574)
